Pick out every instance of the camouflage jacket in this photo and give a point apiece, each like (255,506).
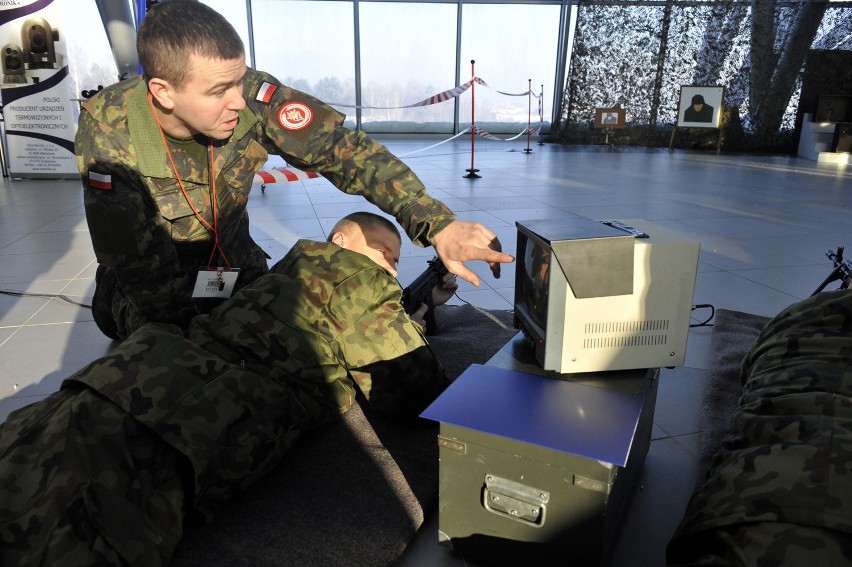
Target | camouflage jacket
(281,356)
(142,225)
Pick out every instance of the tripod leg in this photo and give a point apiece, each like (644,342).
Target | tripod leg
(833,276)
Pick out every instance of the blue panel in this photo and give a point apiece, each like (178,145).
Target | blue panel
(573,418)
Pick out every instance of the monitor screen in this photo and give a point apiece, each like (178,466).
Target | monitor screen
(535,276)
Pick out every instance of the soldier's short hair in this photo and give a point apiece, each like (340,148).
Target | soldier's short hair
(173,30)
(365,221)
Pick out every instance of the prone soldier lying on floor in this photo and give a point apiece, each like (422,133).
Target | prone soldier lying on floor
(779,490)
(105,470)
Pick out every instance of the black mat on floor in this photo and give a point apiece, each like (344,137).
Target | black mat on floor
(734,332)
(353,493)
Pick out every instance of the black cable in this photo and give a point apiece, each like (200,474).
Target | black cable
(706,322)
(456,295)
(48,295)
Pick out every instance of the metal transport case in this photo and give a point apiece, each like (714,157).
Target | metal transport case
(538,470)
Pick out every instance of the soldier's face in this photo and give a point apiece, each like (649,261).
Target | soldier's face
(379,244)
(210,99)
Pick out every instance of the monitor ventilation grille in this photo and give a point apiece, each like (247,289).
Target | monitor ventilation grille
(622,334)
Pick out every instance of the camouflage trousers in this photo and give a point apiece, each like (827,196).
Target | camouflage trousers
(779,489)
(105,475)
(83,483)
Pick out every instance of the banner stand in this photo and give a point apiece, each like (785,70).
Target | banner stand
(38,111)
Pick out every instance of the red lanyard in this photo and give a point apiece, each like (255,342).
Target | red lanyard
(214,227)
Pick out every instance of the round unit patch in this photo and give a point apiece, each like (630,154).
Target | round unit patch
(295,116)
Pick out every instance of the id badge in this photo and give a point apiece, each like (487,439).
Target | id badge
(215,283)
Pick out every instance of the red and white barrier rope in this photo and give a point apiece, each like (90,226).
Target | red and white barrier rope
(480,132)
(484,84)
(434,99)
(287,174)
(465,131)
(282,175)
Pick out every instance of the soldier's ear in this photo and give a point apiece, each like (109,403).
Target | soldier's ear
(162,90)
(339,238)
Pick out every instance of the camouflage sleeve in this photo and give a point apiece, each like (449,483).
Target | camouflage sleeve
(127,232)
(385,352)
(310,135)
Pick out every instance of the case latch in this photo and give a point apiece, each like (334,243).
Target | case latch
(515,500)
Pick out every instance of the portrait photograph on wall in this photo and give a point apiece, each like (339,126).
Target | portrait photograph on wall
(700,106)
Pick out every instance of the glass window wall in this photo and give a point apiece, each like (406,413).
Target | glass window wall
(393,54)
(512,45)
(91,63)
(308,45)
(408,54)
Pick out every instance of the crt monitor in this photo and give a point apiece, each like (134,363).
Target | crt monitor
(593,297)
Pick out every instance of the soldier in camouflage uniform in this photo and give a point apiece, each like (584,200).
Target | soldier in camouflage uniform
(104,471)
(167,162)
(779,491)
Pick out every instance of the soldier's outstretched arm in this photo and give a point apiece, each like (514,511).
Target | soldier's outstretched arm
(310,135)
(463,241)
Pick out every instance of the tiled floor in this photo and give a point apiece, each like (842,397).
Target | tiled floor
(764,224)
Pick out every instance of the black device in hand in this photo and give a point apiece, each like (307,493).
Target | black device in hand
(420,292)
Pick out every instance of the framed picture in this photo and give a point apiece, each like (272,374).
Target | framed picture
(700,106)
(609,118)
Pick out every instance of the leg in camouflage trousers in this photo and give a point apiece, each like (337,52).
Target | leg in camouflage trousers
(98,475)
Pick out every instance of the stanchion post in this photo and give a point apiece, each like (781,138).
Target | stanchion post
(528,150)
(541,116)
(471,173)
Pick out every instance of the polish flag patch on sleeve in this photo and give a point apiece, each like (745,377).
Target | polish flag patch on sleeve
(265,92)
(100,181)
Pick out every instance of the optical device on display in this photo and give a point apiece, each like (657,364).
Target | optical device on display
(37,40)
(591,296)
(13,65)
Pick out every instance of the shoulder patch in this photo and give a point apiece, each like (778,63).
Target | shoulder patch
(100,181)
(295,116)
(265,92)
